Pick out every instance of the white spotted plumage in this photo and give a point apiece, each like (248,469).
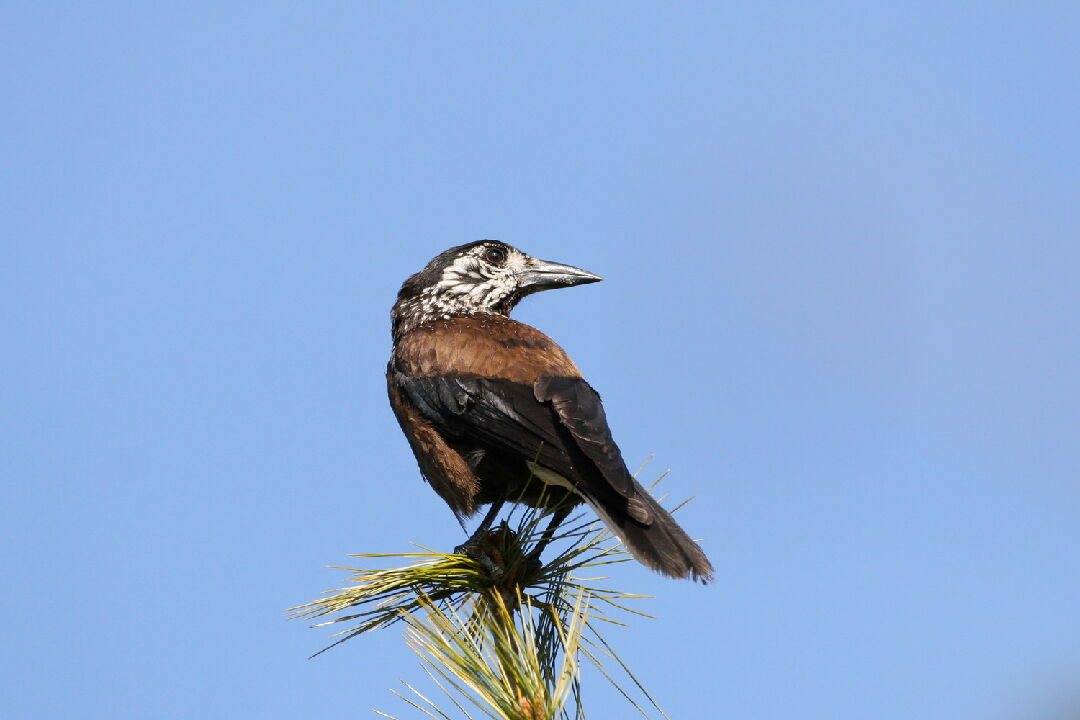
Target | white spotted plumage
(470,285)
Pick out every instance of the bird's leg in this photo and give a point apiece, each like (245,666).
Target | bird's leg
(481,529)
(557,518)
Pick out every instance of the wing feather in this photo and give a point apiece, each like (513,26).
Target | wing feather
(557,421)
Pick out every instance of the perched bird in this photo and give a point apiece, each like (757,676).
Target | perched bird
(494,410)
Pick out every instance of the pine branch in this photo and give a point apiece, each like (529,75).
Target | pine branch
(494,629)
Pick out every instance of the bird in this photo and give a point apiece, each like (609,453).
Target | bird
(490,405)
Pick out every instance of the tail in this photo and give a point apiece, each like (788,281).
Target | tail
(656,540)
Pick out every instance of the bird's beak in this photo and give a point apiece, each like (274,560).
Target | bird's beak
(543,275)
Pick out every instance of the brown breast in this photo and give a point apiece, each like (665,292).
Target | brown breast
(489,346)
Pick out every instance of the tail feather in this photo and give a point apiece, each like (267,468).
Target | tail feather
(661,543)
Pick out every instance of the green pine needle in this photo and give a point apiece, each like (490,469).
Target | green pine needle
(493,629)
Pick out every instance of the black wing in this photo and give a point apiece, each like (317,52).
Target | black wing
(558,421)
(580,411)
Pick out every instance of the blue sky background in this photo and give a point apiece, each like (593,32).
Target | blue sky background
(842,251)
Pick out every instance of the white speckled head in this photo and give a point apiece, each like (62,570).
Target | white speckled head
(481,277)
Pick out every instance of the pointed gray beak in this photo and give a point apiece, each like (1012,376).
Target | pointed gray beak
(544,275)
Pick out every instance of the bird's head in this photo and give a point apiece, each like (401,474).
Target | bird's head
(487,276)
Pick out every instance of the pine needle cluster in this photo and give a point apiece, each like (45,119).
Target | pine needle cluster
(497,631)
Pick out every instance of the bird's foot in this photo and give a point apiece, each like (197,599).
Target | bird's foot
(485,549)
(533,564)
(467,548)
(501,553)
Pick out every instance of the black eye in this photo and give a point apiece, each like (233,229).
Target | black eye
(495,255)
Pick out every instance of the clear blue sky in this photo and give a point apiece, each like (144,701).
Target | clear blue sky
(842,251)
